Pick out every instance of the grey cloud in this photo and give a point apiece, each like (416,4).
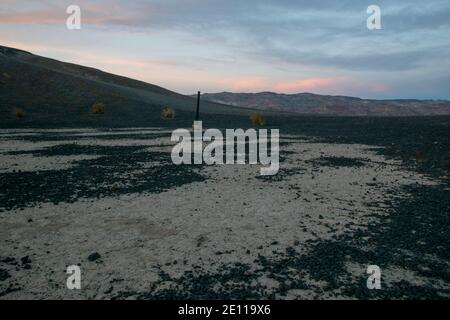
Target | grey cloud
(326,33)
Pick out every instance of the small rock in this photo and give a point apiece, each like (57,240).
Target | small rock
(25,260)
(94,256)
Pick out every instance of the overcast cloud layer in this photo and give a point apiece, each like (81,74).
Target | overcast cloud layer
(248,46)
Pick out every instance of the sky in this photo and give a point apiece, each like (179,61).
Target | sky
(285,46)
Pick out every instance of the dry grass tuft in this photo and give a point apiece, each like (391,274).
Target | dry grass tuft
(19,113)
(257,119)
(98,108)
(168,113)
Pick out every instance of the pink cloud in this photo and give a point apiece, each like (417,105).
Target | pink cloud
(312,84)
(51,17)
(123,62)
(91,13)
(248,84)
(380,88)
(42,17)
(255,84)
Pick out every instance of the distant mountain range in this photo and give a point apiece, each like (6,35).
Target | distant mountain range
(55,93)
(308,103)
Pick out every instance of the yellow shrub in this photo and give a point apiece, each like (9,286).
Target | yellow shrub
(168,113)
(19,113)
(257,119)
(98,108)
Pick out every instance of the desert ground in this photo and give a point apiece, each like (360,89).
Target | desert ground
(140,227)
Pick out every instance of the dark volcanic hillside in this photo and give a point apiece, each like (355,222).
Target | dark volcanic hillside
(55,93)
(308,103)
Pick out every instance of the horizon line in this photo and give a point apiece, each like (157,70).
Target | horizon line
(226,91)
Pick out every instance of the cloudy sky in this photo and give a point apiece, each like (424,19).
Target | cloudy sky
(248,46)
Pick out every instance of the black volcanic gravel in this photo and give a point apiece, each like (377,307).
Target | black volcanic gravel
(93,178)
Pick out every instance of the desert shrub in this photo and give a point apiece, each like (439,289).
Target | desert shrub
(257,119)
(168,113)
(98,108)
(418,155)
(19,113)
